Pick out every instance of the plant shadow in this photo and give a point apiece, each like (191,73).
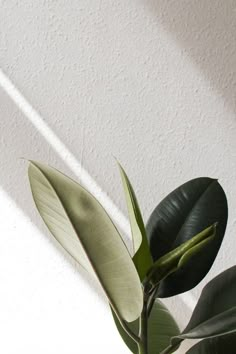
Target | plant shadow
(206,31)
(14,180)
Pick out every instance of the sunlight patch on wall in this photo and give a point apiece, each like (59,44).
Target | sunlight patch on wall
(64,153)
(70,160)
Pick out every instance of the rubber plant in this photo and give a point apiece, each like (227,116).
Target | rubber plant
(171,255)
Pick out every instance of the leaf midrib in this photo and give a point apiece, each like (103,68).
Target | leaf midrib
(84,248)
(192,207)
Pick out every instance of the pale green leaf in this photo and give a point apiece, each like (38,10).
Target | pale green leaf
(180,256)
(142,257)
(82,226)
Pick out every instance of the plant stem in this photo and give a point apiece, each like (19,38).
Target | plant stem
(171,349)
(143,328)
(128,331)
(141,349)
(125,326)
(151,300)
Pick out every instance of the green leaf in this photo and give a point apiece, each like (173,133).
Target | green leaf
(219,345)
(186,211)
(142,257)
(215,312)
(134,327)
(81,225)
(180,256)
(161,327)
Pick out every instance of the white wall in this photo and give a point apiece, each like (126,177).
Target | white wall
(149,81)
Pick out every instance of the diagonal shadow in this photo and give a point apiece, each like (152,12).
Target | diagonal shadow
(13,176)
(41,141)
(13,173)
(206,30)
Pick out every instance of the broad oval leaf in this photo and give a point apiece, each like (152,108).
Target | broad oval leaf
(186,211)
(219,345)
(215,312)
(142,257)
(161,327)
(82,226)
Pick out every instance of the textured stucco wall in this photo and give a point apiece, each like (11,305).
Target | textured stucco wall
(149,81)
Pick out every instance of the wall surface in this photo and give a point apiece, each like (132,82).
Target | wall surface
(149,81)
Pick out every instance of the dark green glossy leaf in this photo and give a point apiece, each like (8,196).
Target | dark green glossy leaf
(161,327)
(142,257)
(215,312)
(182,214)
(219,345)
(82,226)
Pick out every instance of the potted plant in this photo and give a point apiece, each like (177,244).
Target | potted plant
(171,255)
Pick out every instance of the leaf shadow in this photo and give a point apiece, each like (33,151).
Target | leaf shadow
(206,32)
